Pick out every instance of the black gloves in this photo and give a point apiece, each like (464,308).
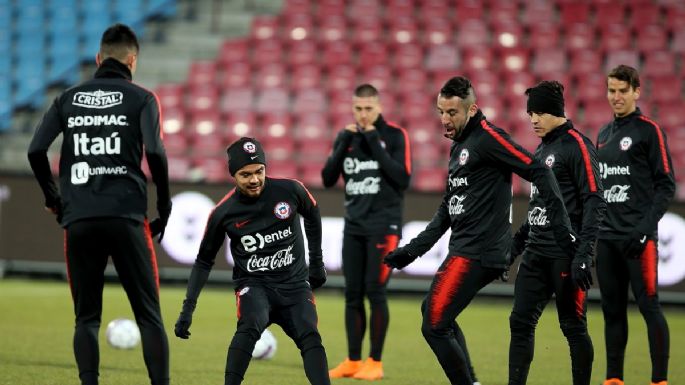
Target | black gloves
(158,225)
(636,245)
(581,273)
(185,319)
(399,259)
(317,273)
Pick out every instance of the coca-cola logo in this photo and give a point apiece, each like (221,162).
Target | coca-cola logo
(367,186)
(456,204)
(538,216)
(617,193)
(463,157)
(279,260)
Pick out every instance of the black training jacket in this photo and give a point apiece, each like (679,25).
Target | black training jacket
(637,174)
(107,124)
(376,168)
(573,159)
(477,201)
(265,234)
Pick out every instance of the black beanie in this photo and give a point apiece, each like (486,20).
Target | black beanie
(543,98)
(244,151)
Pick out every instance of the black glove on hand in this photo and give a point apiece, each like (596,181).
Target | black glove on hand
(636,245)
(317,274)
(182,327)
(581,273)
(158,225)
(504,275)
(399,259)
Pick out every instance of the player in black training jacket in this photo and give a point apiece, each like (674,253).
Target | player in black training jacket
(273,284)
(477,208)
(639,183)
(373,157)
(547,269)
(107,123)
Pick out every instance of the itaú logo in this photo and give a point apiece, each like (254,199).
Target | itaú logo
(280,259)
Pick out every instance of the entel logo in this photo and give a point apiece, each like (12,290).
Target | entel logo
(354,165)
(98,99)
(258,241)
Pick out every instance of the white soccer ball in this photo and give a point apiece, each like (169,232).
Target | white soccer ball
(122,333)
(265,348)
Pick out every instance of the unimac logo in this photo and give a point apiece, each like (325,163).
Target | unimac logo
(81,172)
(258,241)
(98,99)
(354,165)
(605,170)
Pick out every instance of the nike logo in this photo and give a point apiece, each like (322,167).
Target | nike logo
(644,238)
(564,274)
(573,239)
(241,224)
(254,157)
(582,266)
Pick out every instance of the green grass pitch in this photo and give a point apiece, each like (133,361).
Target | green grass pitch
(36,325)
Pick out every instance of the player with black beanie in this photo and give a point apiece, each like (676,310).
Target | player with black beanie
(476,207)
(273,284)
(636,167)
(547,269)
(108,123)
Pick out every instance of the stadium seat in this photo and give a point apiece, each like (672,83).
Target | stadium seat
(297,26)
(239,124)
(590,87)
(650,38)
(671,115)
(271,75)
(340,103)
(574,13)
(305,77)
(237,99)
(408,55)
(536,12)
(423,131)
(492,107)
(472,33)
(467,10)
(211,144)
(609,12)
(265,52)
(280,152)
(544,35)
(579,36)
(364,9)
(310,175)
(410,81)
(298,6)
(627,57)
(595,115)
(486,83)
(476,59)
(332,27)
(236,75)
(176,145)
(644,13)
(549,60)
(203,123)
(614,36)
(380,76)
(312,127)
(202,73)
(402,30)
(442,57)
(264,27)
(313,150)
(659,63)
(301,52)
(179,166)
(276,125)
(212,169)
(507,35)
(174,121)
(273,100)
(204,98)
(399,9)
(366,29)
(337,52)
(516,83)
(233,50)
(341,78)
(663,89)
(429,179)
(437,31)
(584,61)
(503,12)
(678,42)
(372,53)
(675,16)
(309,101)
(171,95)
(513,59)
(417,105)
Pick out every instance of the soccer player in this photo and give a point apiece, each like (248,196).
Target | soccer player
(477,207)
(373,157)
(636,167)
(546,269)
(273,284)
(107,124)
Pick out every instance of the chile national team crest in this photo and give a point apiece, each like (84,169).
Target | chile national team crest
(463,157)
(282,210)
(249,147)
(549,162)
(625,143)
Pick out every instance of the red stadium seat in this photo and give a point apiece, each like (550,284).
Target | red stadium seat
(402,30)
(411,80)
(659,63)
(675,16)
(678,42)
(671,116)
(236,75)
(574,12)
(614,36)
(340,103)
(313,150)
(442,57)
(264,27)
(516,83)
(507,35)
(204,123)
(332,27)
(513,59)
(336,53)
(591,88)
(281,156)
(610,12)
(213,169)
(276,125)
(366,30)
(309,101)
(171,95)
(301,52)
(239,124)
(176,145)
(423,131)
(297,26)
(595,115)
(417,105)
(306,77)
(298,6)
(476,59)
(644,13)
(492,107)
(437,31)
(585,61)
(310,174)
(173,121)
(266,52)
(341,78)
(650,38)
(273,100)
(549,60)
(430,179)
(233,50)
(472,33)
(270,76)
(329,9)
(358,9)
(580,36)
(627,57)
(467,10)
(178,168)
(380,76)
(663,89)
(373,53)
(398,9)
(204,98)
(544,35)
(486,84)
(237,99)
(408,55)
(535,12)
(211,144)
(503,12)
(312,127)
(202,72)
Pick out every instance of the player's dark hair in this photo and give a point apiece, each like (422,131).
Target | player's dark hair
(365,91)
(118,41)
(627,74)
(460,87)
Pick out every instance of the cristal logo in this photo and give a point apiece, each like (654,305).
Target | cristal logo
(617,194)
(605,170)
(456,205)
(280,259)
(355,166)
(458,182)
(367,186)
(258,241)
(98,99)
(538,216)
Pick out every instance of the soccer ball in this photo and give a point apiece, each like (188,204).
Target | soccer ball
(265,348)
(122,333)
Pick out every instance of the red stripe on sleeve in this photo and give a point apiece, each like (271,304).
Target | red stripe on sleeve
(311,197)
(510,147)
(407,150)
(586,160)
(662,144)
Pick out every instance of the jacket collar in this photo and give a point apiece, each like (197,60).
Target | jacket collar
(113,69)
(473,122)
(625,119)
(557,132)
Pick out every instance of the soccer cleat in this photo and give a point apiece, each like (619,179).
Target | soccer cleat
(613,381)
(371,370)
(346,369)
(476,383)
(660,383)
